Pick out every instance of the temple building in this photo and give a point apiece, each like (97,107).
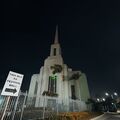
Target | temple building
(57,80)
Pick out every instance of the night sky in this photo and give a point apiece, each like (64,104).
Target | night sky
(89,34)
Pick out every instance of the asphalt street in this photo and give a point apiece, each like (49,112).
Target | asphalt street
(110,116)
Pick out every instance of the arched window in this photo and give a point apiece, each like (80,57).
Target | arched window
(36,87)
(52,85)
(54,52)
(73,92)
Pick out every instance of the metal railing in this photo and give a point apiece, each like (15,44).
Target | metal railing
(23,108)
(11,108)
(54,105)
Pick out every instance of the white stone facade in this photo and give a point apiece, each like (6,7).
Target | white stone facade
(63,83)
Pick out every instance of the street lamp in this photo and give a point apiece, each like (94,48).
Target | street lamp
(115,94)
(103,99)
(98,99)
(106,94)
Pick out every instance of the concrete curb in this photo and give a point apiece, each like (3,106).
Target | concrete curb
(98,117)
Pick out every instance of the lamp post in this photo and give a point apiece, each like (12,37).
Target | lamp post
(106,94)
(115,94)
(103,99)
(98,100)
(113,97)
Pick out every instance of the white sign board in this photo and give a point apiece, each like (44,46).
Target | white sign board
(12,84)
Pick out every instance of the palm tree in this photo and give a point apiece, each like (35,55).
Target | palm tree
(75,76)
(56,68)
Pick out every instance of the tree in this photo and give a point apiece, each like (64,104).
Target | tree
(75,76)
(56,68)
(95,106)
(110,104)
(90,102)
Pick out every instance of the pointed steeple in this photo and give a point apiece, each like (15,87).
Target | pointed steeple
(56,36)
(55,47)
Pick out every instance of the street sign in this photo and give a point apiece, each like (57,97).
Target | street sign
(12,84)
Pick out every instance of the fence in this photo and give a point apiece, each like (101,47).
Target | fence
(21,108)
(52,105)
(14,108)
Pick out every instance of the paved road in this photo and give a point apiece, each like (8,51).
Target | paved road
(109,116)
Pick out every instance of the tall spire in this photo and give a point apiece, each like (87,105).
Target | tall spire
(56,35)
(55,47)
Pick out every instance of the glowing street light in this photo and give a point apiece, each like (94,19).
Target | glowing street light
(103,99)
(98,99)
(106,94)
(115,94)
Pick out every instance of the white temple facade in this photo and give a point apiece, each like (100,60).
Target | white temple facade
(57,80)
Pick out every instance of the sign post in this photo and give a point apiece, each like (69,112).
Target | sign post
(11,87)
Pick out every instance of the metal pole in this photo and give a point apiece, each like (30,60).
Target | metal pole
(112,96)
(23,106)
(16,105)
(8,98)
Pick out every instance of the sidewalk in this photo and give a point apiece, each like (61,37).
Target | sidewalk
(99,117)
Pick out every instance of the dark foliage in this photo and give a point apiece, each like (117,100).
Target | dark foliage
(56,68)
(75,76)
